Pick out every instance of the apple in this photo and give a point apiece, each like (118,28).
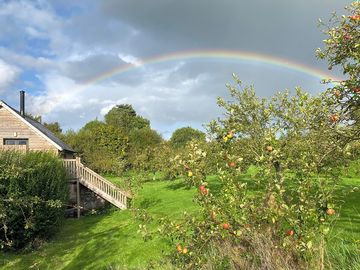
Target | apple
(226,138)
(226,226)
(355,17)
(179,248)
(330,211)
(185,250)
(334,118)
(290,232)
(190,173)
(337,93)
(230,134)
(348,37)
(232,164)
(269,148)
(356,90)
(204,191)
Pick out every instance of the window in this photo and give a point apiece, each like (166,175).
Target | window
(16,141)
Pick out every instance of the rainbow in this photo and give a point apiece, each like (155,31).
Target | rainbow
(246,56)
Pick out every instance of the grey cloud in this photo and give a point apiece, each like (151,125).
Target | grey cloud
(277,27)
(91,66)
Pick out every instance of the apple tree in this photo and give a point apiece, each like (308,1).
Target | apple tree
(342,50)
(278,166)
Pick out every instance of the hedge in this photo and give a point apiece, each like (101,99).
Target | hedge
(33,195)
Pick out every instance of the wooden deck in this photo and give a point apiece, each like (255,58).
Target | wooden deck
(97,183)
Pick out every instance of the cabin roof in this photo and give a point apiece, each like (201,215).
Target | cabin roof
(39,129)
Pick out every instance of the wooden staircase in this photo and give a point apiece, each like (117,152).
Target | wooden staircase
(97,183)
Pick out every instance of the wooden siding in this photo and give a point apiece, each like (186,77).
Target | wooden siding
(10,125)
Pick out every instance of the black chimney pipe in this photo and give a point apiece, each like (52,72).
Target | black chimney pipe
(22,103)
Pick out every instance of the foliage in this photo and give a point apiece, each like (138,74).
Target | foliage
(342,48)
(33,191)
(54,127)
(167,161)
(102,147)
(280,218)
(124,116)
(182,136)
(124,141)
(142,145)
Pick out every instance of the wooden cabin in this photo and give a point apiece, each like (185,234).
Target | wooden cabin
(19,132)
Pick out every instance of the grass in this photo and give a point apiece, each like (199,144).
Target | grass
(110,240)
(344,239)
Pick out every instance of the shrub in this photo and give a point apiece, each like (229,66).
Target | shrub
(33,192)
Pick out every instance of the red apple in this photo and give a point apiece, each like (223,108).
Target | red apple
(205,191)
(232,164)
(226,226)
(290,233)
(355,17)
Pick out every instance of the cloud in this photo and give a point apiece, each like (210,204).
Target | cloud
(69,53)
(8,75)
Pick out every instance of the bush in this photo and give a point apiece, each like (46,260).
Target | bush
(33,192)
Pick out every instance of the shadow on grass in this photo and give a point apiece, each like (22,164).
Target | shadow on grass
(178,185)
(58,250)
(147,203)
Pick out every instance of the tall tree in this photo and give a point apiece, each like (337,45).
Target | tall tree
(124,116)
(182,136)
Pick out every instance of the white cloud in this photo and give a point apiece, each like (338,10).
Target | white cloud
(130,59)
(8,74)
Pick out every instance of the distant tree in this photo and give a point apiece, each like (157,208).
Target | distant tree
(143,143)
(143,138)
(36,118)
(54,127)
(124,116)
(182,136)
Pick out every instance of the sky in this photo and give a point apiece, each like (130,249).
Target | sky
(169,59)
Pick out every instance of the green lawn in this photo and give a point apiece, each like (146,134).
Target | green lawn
(110,240)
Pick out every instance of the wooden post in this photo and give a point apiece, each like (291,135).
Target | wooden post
(78,197)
